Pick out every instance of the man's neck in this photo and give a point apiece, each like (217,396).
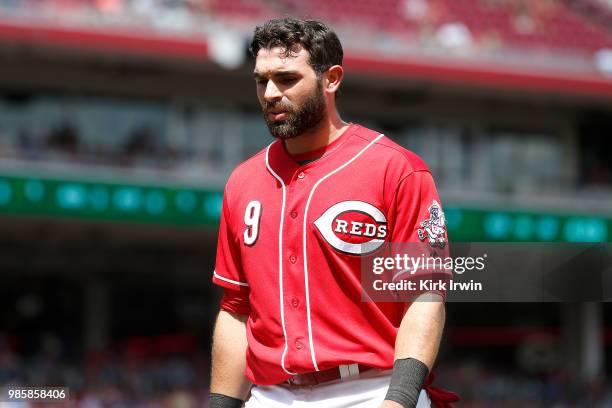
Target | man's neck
(326,133)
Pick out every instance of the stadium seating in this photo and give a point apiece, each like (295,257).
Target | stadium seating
(555,25)
(249,9)
(549,24)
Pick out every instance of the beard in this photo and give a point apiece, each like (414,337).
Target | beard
(299,119)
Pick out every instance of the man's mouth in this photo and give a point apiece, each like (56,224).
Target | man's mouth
(277,114)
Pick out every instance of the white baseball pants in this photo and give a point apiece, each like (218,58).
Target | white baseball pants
(353,393)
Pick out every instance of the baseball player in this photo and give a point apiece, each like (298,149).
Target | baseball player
(297,219)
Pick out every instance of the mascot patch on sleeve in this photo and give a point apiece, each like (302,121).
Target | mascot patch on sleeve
(434,227)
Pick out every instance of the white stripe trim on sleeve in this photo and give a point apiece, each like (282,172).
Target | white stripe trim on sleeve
(216,275)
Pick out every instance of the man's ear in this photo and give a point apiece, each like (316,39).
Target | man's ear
(333,78)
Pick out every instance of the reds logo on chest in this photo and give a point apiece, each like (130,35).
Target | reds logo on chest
(353,227)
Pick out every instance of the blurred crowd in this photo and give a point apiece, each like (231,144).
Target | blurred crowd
(142,146)
(103,136)
(467,27)
(131,375)
(106,132)
(137,374)
(490,385)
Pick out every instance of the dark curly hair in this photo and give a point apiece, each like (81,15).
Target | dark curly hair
(318,39)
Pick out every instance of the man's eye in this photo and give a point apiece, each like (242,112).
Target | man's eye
(261,81)
(288,80)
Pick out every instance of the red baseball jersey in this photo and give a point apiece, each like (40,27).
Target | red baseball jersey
(291,241)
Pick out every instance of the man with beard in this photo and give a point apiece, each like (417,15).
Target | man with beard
(296,220)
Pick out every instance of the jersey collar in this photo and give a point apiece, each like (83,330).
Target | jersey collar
(285,164)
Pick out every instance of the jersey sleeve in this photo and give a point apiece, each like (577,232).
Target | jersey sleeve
(416,201)
(235,301)
(418,229)
(228,270)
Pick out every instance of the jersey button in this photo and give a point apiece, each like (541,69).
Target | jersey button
(299,345)
(293,214)
(293,259)
(295,303)
(301,175)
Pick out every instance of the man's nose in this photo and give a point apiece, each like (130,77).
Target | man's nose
(272,92)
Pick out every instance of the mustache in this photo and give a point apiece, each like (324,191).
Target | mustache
(277,105)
